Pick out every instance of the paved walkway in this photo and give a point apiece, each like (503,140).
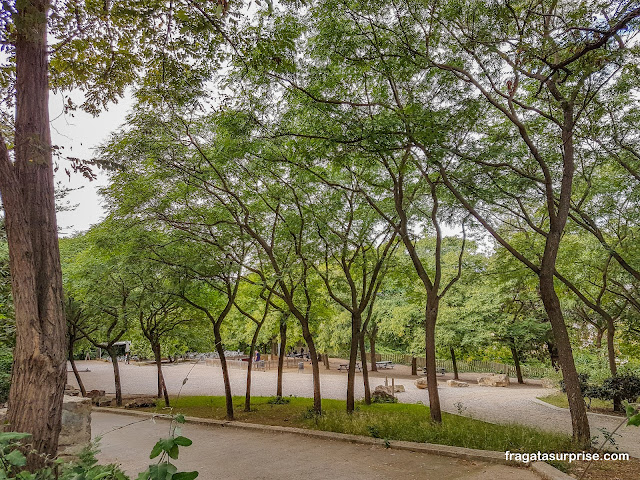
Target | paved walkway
(515,404)
(235,454)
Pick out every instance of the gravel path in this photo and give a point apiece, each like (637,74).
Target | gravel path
(514,404)
(236,454)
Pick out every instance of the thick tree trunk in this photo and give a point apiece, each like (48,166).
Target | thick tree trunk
(72,361)
(365,372)
(162,387)
(455,364)
(247,395)
(27,189)
(225,370)
(372,347)
(516,361)
(283,350)
(116,375)
(431,315)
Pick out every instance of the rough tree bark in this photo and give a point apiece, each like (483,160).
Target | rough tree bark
(27,189)
(455,364)
(516,361)
(72,361)
(252,349)
(225,370)
(431,316)
(162,387)
(283,350)
(353,357)
(365,372)
(372,344)
(116,374)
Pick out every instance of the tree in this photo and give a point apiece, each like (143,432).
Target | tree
(27,189)
(532,65)
(352,262)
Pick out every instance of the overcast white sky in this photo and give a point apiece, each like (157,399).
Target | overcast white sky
(79,135)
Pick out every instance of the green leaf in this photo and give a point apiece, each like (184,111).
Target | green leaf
(630,410)
(156,450)
(635,420)
(179,418)
(182,441)
(185,476)
(16,458)
(173,451)
(7,437)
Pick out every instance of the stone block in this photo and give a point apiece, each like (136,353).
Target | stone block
(76,425)
(494,380)
(421,383)
(457,383)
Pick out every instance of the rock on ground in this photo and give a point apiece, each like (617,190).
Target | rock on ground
(495,380)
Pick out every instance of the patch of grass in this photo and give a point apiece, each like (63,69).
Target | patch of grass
(560,400)
(391,421)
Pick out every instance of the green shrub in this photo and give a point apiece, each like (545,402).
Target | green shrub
(6,361)
(625,386)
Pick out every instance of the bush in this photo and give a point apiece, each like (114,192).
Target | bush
(6,361)
(625,387)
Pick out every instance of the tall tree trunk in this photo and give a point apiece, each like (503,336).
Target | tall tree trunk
(611,354)
(353,358)
(116,375)
(247,395)
(431,315)
(365,372)
(372,346)
(308,338)
(225,370)
(453,361)
(516,361)
(72,361)
(27,189)
(162,387)
(283,350)
(577,408)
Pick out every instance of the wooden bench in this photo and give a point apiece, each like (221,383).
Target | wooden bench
(385,364)
(345,367)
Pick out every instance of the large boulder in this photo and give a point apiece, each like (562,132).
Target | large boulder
(494,380)
(421,383)
(383,394)
(457,383)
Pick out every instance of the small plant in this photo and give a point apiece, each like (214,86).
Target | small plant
(460,408)
(373,431)
(609,437)
(383,399)
(168,448)
(278,401)
(11,458)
